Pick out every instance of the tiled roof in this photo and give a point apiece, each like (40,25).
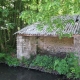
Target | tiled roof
(31,30)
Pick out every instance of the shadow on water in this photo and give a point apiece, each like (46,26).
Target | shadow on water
(18,73)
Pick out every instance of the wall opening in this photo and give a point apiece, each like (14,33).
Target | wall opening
(54,44)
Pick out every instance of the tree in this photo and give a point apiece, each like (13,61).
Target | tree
(43,10)
(9,23)
(31,11)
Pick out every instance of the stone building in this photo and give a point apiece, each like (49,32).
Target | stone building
(31,41)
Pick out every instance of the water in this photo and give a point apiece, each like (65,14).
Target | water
(18,73)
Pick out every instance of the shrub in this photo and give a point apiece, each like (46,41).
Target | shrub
(61,66)
(2,57)
(43,61)
(68,66)
(26,62)
(74,67)
(11,61)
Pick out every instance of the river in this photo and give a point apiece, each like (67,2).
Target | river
(18,73)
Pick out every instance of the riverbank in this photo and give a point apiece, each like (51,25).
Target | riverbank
(68,65)
(19,73)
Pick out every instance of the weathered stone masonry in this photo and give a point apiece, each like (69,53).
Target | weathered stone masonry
(31,41)
(28,45)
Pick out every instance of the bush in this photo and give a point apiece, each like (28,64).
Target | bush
(2,55)
(43,61)
(11,61)
(26,62)
(8,59)
(68,66)
(74,67)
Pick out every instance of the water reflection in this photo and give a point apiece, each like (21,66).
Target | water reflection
(11,73)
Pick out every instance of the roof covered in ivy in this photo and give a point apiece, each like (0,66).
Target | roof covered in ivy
(70,27)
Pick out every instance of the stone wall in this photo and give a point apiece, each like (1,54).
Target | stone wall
(31,45)
(19,47)
(26,46)
(77,44)
(54,44)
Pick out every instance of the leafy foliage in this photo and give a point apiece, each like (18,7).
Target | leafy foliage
(11,61)
(43,61)
(73,62)
(68,66)
(31,11)
(61,66)
(2,57)
(44,10)
(9,23)
(39,10)
(8,59)
(26,62)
